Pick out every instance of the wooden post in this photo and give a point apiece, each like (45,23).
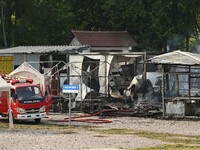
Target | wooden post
(189,93)
(11,126)
(145,67)
(177,85)
(106,88)
(163,90)
(70,105)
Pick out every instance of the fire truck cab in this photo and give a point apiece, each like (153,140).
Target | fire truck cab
(26,100)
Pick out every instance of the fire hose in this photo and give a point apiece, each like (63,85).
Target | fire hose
(84,118)
(108,112)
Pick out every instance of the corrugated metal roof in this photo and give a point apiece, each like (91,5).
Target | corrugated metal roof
(105,38)
(176,58)
(41,49)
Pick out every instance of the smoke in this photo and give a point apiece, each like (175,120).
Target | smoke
(196,48)
(174,43)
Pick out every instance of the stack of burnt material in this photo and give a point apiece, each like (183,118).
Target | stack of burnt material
(110,106)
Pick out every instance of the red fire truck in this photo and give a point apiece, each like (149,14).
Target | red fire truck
(26,101)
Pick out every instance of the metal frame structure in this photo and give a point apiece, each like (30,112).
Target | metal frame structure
(81,74)
(180,83)
(190,101)
(72,66)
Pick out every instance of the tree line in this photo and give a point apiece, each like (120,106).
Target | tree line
(155,24)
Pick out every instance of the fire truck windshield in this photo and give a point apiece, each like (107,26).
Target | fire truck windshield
(28,93)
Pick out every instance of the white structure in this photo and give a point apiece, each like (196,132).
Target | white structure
(4,86)
(103,73)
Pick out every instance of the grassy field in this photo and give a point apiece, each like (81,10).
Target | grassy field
(176,141)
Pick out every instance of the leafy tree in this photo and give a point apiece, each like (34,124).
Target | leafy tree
(154,24)
(86,15)
(185,21)
(5,22)
(41,22)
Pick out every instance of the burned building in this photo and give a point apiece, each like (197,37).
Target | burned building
(180,83)
(111,69)
(102,77)
(111,73)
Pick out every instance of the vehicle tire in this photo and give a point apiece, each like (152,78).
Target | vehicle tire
(38,120)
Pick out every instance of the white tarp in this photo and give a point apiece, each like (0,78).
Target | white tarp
(76,73)
(25,70)
(104,68)
(4,86)
(105,64)
(76,76)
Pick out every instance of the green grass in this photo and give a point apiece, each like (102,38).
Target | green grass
(165,137)
(171,147)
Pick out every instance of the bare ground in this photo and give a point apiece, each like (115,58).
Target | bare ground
(84,140)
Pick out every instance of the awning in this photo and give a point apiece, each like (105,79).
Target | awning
(176,58)
(42,49)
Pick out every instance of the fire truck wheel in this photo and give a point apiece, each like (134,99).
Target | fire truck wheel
(37,120)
